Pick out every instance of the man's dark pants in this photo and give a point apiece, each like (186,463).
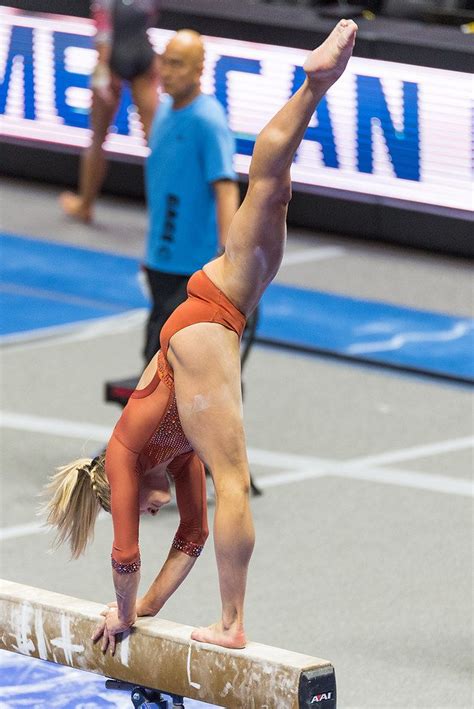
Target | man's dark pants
(168,290)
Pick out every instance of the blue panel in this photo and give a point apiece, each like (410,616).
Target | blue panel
(369,331)
(93,275)
(28,682)
(21,313)
(48,284)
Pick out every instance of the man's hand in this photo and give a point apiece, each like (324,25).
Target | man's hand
(109,628)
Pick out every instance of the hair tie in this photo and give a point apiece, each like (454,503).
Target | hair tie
(91,472)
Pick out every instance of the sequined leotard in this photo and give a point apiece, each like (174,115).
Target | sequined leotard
(149,433)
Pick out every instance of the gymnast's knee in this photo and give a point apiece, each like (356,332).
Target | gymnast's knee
(273,191)
(232,486)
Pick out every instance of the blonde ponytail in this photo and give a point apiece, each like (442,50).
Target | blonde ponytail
(76,493)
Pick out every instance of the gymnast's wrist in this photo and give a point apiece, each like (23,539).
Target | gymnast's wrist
(147,606)
(128,619)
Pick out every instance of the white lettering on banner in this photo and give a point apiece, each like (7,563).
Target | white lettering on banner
(385,129)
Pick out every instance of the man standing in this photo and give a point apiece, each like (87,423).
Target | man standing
(191,185)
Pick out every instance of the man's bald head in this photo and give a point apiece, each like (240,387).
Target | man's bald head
(189,43)
(182,66)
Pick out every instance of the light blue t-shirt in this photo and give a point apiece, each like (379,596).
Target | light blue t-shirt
(191,148)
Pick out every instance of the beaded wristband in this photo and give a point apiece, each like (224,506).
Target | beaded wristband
(126,568)
(188,548)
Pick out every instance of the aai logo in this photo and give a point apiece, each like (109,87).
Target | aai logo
(318,698)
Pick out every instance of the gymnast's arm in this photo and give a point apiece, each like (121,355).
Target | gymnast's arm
(190,485)
(120,465)
(120,468)
(137,423)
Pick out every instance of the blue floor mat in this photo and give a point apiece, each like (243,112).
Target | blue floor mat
(369,331)
(107,279)
(24,312)
(29,683)
(48,284)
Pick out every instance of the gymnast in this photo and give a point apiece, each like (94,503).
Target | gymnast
(187,408)
(124,54)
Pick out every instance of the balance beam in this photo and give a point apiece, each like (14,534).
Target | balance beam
(159,654)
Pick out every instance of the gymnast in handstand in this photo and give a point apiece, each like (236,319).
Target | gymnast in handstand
(187,408)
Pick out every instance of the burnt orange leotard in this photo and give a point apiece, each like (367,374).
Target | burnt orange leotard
(149,433)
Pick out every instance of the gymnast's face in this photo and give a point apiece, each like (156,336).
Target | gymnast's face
(181,67)
(154,492)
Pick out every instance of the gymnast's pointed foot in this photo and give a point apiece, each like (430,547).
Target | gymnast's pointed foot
(232,637)
(327,62)
(73,206)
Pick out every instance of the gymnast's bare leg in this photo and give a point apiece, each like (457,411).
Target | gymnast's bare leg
(93,164)
(205,356)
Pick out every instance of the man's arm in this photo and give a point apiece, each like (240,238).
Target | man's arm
(227,203)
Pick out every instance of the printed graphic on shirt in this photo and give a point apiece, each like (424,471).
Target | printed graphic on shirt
(169,230)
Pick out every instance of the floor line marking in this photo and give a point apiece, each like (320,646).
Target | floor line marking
(301,467)
(257,456)
(291,476)
(414,452)
(409,478)
(387,476)
(54,427)
(21,530)
(58,296)
(400,478)
(25,530)
(74,332)
(94,432)
(272,459)
(319,253)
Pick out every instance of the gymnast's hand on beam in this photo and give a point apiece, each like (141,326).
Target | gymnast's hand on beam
(109,628)
(143,608)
